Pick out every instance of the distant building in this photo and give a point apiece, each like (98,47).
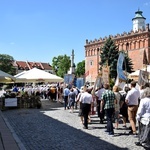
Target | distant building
(136,43)
(26,65)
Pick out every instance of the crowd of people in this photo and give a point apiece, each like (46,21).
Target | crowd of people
(51,92)
(132,106)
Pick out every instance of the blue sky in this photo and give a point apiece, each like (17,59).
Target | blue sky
(38,30)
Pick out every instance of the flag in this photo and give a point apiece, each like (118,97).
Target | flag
(86,74)
(120,72)
(143,77)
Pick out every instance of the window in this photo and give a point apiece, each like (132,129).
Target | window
(91,62)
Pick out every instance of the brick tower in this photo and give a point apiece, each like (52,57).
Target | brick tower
(136,43)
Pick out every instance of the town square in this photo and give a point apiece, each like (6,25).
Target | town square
(74,75)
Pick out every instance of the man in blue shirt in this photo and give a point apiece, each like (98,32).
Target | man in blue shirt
(66,94)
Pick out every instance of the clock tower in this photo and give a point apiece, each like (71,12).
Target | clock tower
(138,21)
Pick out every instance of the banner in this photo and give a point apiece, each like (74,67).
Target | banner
(86,74)
(105,74)
(80,82)
(143,77)
(119,83)
(68,78)
(120,72)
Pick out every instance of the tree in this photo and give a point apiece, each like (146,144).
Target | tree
(6,64)
(80,69)
(109,56)
(127,64)
(61,65)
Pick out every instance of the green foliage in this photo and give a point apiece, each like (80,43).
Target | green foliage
(127,65)
(109,56)
(61,65)
(112,83)
(80,69)
(6,64)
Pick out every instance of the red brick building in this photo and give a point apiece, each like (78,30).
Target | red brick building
(136,43)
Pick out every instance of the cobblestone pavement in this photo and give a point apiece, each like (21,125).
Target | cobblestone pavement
(53,128)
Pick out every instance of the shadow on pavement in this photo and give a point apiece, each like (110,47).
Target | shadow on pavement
(40,132)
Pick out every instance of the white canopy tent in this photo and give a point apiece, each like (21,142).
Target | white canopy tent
(5,77)
(134,75)
(19,74)
(36,75)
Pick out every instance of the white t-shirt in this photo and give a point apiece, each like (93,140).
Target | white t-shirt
(86,98)
(132,96)
(144,108)
(99,93)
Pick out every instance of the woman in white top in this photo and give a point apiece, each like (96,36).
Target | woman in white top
(143,117)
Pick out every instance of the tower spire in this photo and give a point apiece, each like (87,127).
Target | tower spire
(138,21)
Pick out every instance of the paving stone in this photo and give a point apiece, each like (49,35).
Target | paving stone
(52,127)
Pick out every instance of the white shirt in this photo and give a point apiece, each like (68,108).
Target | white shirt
(86,98)
(141,93)
(144,108)
(99,93)
(132,96)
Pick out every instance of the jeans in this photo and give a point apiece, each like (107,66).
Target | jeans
(65,101)
(109,115)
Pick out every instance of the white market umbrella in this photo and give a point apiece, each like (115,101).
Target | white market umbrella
(5,77)
(135,73)
(37,75)
(19,74)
